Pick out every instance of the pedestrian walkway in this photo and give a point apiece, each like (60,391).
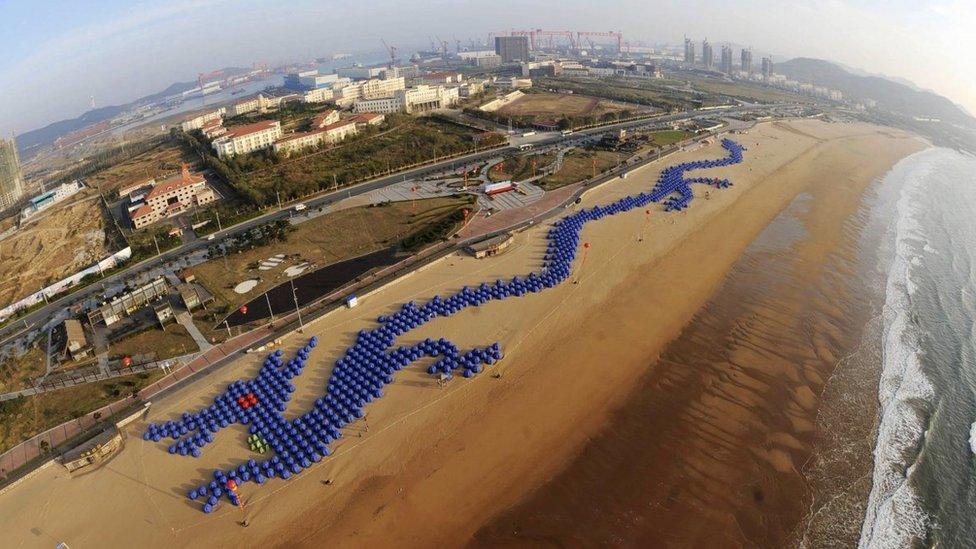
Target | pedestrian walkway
(186,321)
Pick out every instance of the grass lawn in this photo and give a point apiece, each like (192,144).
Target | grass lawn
(16,372)
(518,168)
(550,104)
(22,418)
(667,137)
(408,141)
(744,90)
(321,241)
(168,343)
(579,165)
(643,92)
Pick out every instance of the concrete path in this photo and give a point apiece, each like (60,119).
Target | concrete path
(186,321)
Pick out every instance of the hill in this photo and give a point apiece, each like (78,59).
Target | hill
(889,94)
(28,141)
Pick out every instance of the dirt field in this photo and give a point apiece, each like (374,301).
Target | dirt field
(579,165)
(321,241)
(520,167)
(16,372)
(23,418)
(60,243)
(164,159)
(168,343)
(553,106)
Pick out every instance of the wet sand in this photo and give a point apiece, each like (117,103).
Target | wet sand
(712,446)
(433,465)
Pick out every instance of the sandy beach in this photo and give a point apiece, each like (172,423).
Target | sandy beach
(517,458)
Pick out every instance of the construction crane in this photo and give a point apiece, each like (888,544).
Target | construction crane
(392,51)
(536,34)
(618,35)
(200,80)
(443,44)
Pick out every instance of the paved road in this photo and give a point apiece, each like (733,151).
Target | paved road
(43,315)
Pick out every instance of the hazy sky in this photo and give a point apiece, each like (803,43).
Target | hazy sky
(58,53)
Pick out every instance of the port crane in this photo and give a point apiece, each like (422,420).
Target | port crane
(392,51)
(204,76)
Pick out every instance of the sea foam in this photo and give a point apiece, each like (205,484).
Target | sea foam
(894,517)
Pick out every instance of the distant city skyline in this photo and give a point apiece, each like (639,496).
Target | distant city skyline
(59,54)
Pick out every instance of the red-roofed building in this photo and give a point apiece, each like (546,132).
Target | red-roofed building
(247,138)
(322,120)
(369,119)
(213,128)
(170,197)
(333,133)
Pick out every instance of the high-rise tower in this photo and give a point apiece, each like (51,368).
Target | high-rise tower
(726,59)
(767,67)
(11,184)
(708,57)
(746,60)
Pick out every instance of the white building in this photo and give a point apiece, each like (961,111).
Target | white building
(416,99)
(47,199)
(383,105)
(376,88)
(259,103)
(361,72)
(331,134)
(248,138)
(171,197)
(325,118)
(318,96)
(440,78)
(476,54)
(197,122)
(512,83)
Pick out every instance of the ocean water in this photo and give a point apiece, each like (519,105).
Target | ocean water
(922,491)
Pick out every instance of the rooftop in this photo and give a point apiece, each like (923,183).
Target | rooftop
(184,179)
(247,129)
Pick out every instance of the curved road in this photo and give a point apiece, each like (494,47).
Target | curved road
(36,319)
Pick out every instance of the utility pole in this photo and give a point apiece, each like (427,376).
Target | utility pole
(269,306)
(156,243)
(278,195)
(219,228)
(294,294)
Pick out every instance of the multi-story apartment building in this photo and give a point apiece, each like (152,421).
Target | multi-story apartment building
(376,88)
(330,134)
(197,122)
(170,197)
(11,182)
(325,118)
(512,48)
(416,99)
(318,96)
(258,103)
(247,138)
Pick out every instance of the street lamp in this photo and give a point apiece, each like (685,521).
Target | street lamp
(294,294)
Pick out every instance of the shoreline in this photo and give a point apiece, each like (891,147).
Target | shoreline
(732,405)
(475,447)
